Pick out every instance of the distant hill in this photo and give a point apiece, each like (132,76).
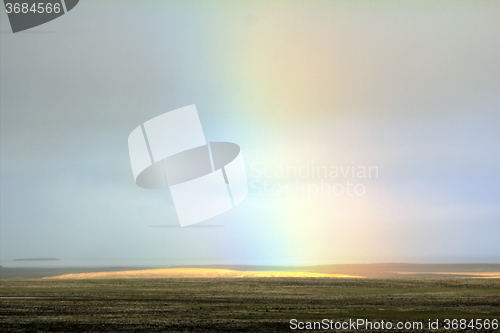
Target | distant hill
(381,270)
(37,259)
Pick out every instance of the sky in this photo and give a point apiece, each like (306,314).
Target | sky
(408,88)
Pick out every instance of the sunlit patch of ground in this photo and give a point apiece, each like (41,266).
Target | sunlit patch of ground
(195,273)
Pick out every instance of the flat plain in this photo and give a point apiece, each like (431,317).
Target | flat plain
(240,304)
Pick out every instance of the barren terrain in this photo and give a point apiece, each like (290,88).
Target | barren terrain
(237,304)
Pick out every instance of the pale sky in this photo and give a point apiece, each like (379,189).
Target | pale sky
(410,87)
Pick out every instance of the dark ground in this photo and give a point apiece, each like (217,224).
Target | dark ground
(239,305)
